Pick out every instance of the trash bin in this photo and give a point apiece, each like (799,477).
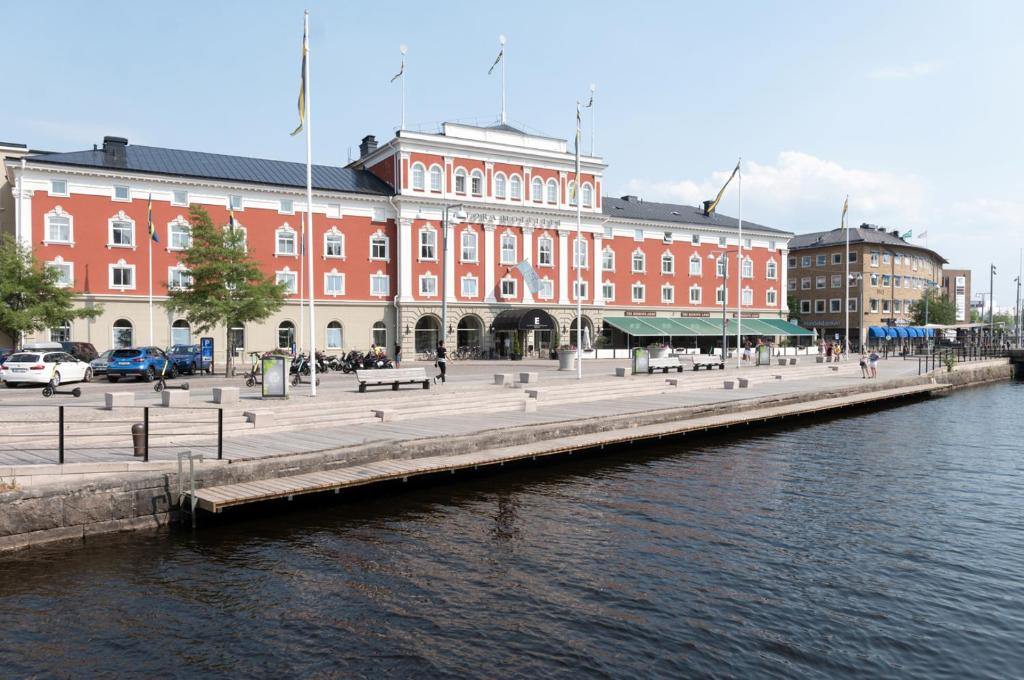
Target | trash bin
(139,439)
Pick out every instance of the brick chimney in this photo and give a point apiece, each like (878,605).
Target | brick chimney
(367,146)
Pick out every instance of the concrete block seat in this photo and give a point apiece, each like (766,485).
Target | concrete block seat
(175,398)
(621,372)
(529,377)
(112,400)
(225,395)
(502,378)
(393,377)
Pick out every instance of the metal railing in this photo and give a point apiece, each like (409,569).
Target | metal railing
(194,422)
(946,356)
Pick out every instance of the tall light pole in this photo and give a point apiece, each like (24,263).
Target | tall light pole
(724,259)
(460,216)
(1016,314)
(991,304)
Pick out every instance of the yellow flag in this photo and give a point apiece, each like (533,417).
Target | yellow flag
(714,204)
(302,85)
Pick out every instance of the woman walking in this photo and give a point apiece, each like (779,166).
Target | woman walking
(864,366)
(442,361)
(873,363)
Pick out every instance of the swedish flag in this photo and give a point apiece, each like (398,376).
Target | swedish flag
(231,216)
(149,221)
(714,204)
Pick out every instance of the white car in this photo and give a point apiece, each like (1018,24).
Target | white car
(41,367)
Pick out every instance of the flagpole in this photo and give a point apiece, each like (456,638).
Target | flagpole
(846,227)
(302,280)
(739,285)
(593,116)
(576,253)
(501,39)
(149,237)
(403,49)
(309,212)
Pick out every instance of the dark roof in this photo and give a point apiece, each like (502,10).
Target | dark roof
(15,145)
(199,164)
(633,208)
(862,234)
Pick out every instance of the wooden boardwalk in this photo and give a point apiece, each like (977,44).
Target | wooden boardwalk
(214,499)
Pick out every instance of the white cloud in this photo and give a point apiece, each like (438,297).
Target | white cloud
(919,70)
(800,191)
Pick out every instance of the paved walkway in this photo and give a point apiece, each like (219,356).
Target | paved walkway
(341,417)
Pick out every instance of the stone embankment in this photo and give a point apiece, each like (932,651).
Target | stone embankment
(104,503)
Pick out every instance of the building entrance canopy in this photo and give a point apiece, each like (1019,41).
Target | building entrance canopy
(524,320)
(690,327)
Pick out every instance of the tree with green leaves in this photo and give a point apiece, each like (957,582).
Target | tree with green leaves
(30,297)
(794,309)
(228,288)
(940,308)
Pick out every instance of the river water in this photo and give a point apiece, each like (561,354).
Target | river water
(886,544)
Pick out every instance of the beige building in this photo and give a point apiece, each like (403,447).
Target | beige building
(887,275)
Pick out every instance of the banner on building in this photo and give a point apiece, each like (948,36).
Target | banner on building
(530,276)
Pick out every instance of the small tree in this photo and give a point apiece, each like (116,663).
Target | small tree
(30,299)
(794,309)
(940,309)
(228,287)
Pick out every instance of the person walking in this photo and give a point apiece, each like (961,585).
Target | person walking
(398,356)
(864,366)
(873,363)
(442,361)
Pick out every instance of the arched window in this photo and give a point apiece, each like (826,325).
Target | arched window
(639,261)
(418,177)
(516,188)
(379,334)
(476,183)
(179,234)
(588,195)
(748,268)
(59,227)
(286,335)
(668,264)
(499,186)
(435,178)
(608,259)
(771,270)
(285,241)
(379,246)
(427,334)
(181,333)
(460,181)
(508,248)
(552,191)
(537,189)
(695,265)
(334,243)
(334,335)
(122,335)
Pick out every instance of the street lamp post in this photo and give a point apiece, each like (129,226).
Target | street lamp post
(460,216)
(722,257)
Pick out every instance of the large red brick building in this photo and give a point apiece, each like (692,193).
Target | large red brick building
(378,241)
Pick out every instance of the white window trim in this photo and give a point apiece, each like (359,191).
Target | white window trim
(423,278)
(604,289)
(835,302)
(551,243)
(536,196)
(178,222)
(113,193)
(501,288)
(477,174)
(59,262)
(460,172)
(334,232)
(504,191)
(327,331)
(295,239)
(514,180)
(241,203)
(65,193)
(120,264)
(59,212)
(547,189)
(744,265)
(671,294)
(387,246)
(587,194)
(462,286)
(641,235)
(771,269)
(176,269)
(501,248)
(476,246)
(430,178)
(387,280)
(671,261)
(120,217)
(426,229)
(280,206)
(540,294)
(607,250)
(423,176)
(334,272)
(696,259)
(581,285)
(718,298)
(643,262)
(179,204)
(747,296)
(576,252)
(295,278)
(805,306)
(700,295)
(632,292)
(768,295)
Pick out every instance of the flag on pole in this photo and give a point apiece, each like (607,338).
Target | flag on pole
(149,221)
(501,54)
(401,70)
(231,216)
(709,207)
(302,85)
(846,206)
(574,187)
(909,233)
(923,234)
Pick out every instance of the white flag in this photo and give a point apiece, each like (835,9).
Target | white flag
(530,276)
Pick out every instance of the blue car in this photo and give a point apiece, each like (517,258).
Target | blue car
(189,359)
(144,363)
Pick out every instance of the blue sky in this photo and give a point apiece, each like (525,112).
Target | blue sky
(913,108)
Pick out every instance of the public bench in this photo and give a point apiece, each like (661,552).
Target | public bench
(708,361)
(663,364)
(393,377)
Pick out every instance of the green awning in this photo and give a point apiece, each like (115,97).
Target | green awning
(701,327)
(664,326)
(667,325)
(634,326)
(782,327)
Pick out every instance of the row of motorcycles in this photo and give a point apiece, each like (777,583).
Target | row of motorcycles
(353,361)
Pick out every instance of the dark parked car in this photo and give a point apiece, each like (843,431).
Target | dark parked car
(145,363)
(83,351)
(188,359)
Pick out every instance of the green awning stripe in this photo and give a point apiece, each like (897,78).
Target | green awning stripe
(664,326)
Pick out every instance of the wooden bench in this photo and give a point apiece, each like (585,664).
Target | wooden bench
(708,361)
(664,364)
(393,377)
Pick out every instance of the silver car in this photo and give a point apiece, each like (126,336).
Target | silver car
(99,364)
